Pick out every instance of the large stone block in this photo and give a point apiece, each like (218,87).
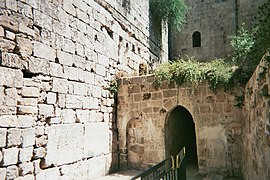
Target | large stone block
(3,172)
(11,77)
(68,116)
(44,51)
(8,121)
(26,168)
(14,61)
(65,58)
(28,137)
(65,144)
(10,156)
(96,139)
(38,65)
(11,96)
(25,121)
(3,135)
(46,110)
(60,85)
(73,101)
(13,137)
(25,154)
(83,116)
(30,92)
(23,110)
(27,177)
(49,174)
(12,172)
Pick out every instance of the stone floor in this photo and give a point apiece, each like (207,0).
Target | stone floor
(121,175)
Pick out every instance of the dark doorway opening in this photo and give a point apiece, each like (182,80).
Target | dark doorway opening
(196,39)
(180,132)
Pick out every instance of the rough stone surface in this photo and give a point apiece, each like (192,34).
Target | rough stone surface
(143,112)
(10,156)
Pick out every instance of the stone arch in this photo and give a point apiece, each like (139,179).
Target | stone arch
(135,142)
(180,132)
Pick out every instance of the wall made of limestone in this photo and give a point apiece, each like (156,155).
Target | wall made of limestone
(56,60)
(256,134)
(142,112)
(216,20)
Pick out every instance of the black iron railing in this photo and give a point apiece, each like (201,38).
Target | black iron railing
(172,168)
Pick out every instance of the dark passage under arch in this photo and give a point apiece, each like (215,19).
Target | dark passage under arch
(180,132)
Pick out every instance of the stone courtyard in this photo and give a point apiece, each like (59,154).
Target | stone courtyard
(60,121)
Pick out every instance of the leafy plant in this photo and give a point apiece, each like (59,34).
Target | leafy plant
(249,46)
(217,73)
(113,86)
(172,11)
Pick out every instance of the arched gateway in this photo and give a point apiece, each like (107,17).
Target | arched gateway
(156,122)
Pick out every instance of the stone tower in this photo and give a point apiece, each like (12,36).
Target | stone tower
(210,23)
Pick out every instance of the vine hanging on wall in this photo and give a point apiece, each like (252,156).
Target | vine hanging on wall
(172,11)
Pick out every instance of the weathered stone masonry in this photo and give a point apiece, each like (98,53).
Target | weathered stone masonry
(57,58)
(143,110)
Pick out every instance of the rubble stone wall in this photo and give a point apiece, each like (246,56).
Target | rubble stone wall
(256,127)
(56,60)
(142,113)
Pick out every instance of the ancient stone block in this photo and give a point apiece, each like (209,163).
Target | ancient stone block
(39,153)
(69,8)
(28,137)
(68,46)
(56,70)
(7,45)
(48,174)
(9,22)
(41,141)
(3,135)
(26,168)
(46,110)
(12,5)
(65,144)
(99,143)
(30,92)
(82,116)
(42,20)
(73,101)
(13,60)
(10,35)
(3,172)
(65,58)
(10,156)
(12,172)
(13,137)
(25,121)
(26,30)
(24,45)
(11,96)
(43,51)
(101,70)
(8,121)
(68,116)
(27,177)
(37,65)
(23,110)
(25,154)
(2,32)
(60,85)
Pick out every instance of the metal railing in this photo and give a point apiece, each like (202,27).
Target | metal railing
(172,168)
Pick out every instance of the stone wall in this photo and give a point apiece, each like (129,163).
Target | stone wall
(256,137)
(56,60)
(216,20)
(142,113)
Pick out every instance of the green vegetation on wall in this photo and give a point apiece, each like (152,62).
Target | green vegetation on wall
(217,73)
(172,11)
(248,49)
